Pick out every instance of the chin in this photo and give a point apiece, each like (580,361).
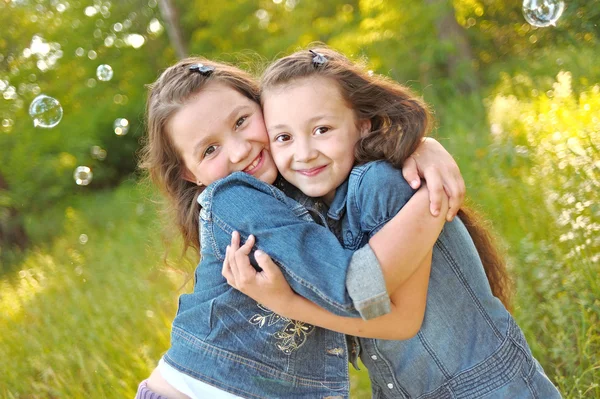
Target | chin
(313,192)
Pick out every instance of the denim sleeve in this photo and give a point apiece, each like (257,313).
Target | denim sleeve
(311,258)
(380,194)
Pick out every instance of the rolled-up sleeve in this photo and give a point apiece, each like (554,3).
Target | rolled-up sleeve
(309,255)
(366,285)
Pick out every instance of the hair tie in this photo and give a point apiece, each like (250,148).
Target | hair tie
(202,69)
(318,59)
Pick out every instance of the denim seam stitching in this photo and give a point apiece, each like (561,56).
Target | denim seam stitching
(431,352)
(510,357)
(227,388)
(397,385)
(228,229)
(463,280)
(201,345)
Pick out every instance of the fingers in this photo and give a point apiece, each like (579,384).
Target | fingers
(226,270)
(266,263)
(245,272)
(456,193)
(410,171)
(436,190)
(237,269)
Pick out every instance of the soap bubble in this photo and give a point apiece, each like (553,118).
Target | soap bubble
(83,175)
(542,13)
(98,153)
(121,126)
(104,72)
(45,111)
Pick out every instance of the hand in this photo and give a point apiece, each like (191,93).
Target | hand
(268,287)
(432,162)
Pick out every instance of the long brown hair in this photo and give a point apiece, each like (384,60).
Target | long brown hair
(171,92)
(399,122)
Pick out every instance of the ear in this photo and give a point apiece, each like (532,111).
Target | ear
(189,176)
(364,126)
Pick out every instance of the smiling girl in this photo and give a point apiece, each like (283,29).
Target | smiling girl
(324,114)
(208,150)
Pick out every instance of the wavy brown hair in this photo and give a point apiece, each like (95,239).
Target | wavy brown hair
(158,156)
(399,122)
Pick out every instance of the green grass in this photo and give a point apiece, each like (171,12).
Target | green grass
(88,320)
(91,320)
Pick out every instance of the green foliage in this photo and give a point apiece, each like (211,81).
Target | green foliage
(88,319)
(37,163)
(527,143)
(552,143)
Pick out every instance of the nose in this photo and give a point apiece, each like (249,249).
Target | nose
(304,151)
(239,150)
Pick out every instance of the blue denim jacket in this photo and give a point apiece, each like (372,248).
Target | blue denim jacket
(469,346)
(224,338)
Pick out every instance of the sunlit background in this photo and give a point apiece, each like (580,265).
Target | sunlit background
(89,276)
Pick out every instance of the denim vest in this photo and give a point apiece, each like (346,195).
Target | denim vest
(469,346)
(224,338)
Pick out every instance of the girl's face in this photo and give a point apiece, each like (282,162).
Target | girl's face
(220,131)
(313,133)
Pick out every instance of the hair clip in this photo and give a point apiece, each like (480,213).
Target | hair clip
(202,69)
(318,59)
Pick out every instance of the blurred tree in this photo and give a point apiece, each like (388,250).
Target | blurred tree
(171,19)
(459,62)
(54,47)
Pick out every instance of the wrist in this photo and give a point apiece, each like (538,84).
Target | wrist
(287,304)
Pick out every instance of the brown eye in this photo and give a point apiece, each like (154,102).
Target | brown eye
(321,130)
(240,122)
(283,138)
(209,150)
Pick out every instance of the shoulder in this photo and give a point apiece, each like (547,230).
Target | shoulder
(238,186)
(378,179)
(376,192)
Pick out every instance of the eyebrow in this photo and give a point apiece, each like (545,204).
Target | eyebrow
(310,121)
(202,142)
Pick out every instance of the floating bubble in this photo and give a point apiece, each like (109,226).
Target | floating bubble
(121,126)
(45,111)
(83,239)
(98,153)
(83,175)
(542,13)
(104,72)
(7,125)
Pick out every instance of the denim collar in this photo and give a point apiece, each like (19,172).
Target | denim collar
(338,206)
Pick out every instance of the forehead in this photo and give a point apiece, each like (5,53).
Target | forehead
(307,86)
(314,92)
(208,109)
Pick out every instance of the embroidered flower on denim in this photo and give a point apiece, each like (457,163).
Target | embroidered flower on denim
(293,334)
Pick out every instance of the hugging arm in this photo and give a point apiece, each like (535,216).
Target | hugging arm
(402,243)
(270,288)
(433,163)
(311,258)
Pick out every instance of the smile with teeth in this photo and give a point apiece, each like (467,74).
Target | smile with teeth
(253,166)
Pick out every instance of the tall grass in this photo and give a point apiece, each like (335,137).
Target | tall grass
(90,319)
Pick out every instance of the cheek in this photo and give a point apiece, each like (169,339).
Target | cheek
(279,158)
(257,130)
(215,170)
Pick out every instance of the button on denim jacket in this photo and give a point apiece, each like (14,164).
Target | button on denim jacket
(224,338)
(469,346)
